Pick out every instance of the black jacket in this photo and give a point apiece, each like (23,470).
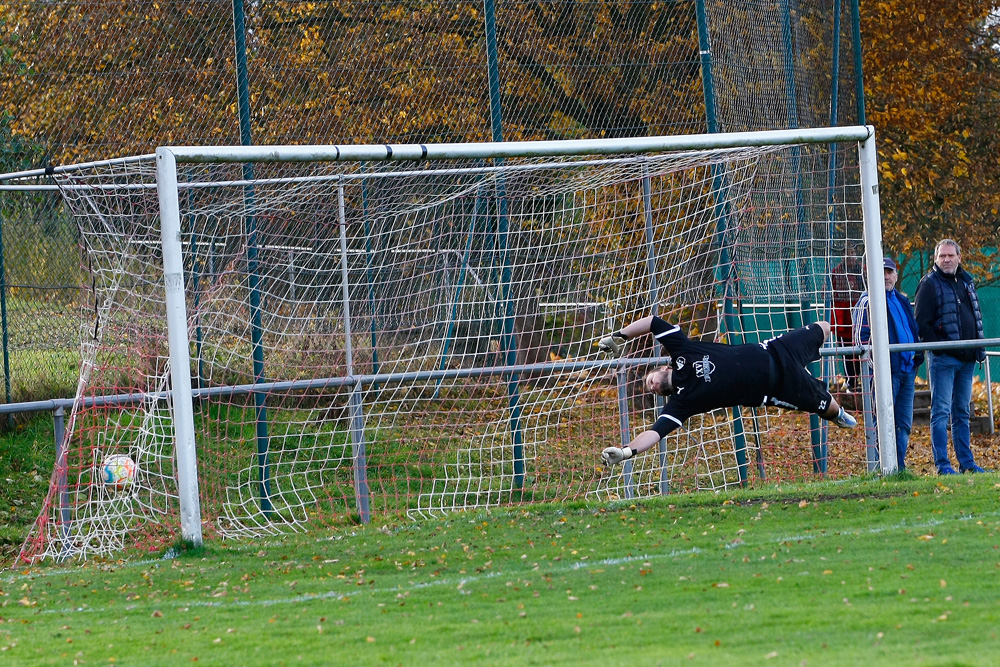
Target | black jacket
(947,308)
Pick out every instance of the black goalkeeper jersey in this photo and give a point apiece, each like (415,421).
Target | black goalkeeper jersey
(707,376)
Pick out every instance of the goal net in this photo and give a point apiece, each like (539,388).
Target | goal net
(412,337)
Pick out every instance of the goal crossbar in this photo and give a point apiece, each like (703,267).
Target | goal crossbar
(457,151)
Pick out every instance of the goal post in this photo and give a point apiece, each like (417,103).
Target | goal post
(879,319)
(167,158)
(347,331)
(179,347)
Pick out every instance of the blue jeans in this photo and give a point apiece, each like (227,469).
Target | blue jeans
(951,394)
(902,411)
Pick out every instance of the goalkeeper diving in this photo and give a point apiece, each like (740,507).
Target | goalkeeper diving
(706,376)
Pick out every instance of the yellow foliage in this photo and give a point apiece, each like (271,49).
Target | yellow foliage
(931,82)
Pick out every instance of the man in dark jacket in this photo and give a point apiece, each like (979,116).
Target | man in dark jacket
(947,309)
(904,365)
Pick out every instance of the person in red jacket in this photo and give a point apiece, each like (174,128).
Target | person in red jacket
(846,280)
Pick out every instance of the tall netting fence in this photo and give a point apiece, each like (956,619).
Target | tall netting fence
(411,339)
(95,79)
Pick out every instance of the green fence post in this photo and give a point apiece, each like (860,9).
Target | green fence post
(253,277)
(859,83)
(831,185)
(370,273)
(3,322)
(719,185)
(509,337)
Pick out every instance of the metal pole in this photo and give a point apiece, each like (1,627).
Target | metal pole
(362,493)
(816,431)
(253,277)
(180,361)
(647,205)
(626,432)
(242,78)
(791,92)
(707,79)
(835,78)
(493,69)
(370,274)
(871,437)
(196,298)
(719,185)
(989,394)
(508,338)
(859,83)
(450,328)
(828,365)
(3,323)
(65,514)
(506,149)
(877,306)
(257,350)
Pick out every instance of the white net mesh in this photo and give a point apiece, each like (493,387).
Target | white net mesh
(416,338)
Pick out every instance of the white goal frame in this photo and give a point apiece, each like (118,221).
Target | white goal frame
(168,158)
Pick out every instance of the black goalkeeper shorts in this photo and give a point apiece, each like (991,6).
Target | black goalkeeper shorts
(793,386)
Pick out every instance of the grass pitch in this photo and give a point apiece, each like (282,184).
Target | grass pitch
(880,571)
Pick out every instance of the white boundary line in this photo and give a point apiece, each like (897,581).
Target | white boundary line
(461,582)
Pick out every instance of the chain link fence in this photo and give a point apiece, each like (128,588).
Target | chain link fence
(94,79)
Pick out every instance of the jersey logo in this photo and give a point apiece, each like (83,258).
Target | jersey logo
(704,368)
(679,363)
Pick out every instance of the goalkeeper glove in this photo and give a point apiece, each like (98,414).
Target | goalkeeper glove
(615,455)
(612,344)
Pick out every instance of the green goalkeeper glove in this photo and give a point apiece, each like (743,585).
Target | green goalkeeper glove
(615,455)
(612,344)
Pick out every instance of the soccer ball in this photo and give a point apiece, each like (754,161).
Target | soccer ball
(117,471)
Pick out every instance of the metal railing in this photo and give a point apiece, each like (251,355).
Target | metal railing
(59,406)
(989,389)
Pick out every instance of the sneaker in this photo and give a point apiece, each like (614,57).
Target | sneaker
(844,420)
(947,470)
(973,468)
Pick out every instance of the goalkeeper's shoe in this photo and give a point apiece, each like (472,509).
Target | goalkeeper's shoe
(612,344)
(615,455)
(844,420)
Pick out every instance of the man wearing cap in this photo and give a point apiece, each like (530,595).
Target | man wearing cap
(904,365)
(947,309)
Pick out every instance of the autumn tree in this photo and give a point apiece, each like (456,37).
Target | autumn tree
(932,84)
(106,77)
